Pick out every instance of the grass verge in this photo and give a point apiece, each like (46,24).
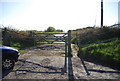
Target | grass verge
(107,53)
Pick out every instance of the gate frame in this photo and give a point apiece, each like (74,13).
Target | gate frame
(64,38)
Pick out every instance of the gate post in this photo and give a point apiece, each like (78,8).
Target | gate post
(5,36)
(66,48)
(31,38)
(69,43)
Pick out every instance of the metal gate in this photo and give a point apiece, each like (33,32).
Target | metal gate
(39,38)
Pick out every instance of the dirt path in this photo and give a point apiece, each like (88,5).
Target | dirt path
(49,62)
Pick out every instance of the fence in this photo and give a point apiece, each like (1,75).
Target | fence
(105,53)
(88,36)
(36,38)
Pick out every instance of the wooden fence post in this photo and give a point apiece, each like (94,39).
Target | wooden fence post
(31,38)
(69,43)
(6,37)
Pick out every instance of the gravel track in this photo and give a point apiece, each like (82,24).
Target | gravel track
(49,62)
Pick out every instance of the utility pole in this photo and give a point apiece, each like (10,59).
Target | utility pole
(101,13)
(119,13)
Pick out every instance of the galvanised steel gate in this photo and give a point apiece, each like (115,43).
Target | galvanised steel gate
(40,38)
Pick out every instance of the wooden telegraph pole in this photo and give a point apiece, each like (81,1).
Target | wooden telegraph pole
(101,13)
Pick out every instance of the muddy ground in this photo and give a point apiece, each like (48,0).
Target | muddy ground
(49,62)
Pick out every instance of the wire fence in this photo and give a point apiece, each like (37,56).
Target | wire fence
(89,36)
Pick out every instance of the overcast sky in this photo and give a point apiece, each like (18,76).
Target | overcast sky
(61,14)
